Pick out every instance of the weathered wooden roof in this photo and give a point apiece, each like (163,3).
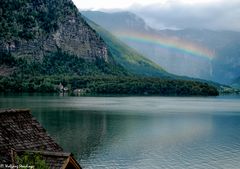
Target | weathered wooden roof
(19,130)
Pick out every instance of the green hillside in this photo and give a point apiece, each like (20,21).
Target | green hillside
(127,57)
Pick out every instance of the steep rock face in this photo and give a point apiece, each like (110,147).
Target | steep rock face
(33,28)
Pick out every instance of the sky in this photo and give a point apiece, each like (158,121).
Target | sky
(175,14)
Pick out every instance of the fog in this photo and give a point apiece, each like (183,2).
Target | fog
(220,15)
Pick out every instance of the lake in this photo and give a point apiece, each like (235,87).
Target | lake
(141,132)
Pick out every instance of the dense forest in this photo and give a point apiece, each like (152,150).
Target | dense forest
(57,63)
(76,73)
(95,85)
(26,19)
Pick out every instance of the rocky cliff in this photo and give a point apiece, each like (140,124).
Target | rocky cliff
(33,28)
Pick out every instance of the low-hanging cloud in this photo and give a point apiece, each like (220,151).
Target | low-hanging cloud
(223,15)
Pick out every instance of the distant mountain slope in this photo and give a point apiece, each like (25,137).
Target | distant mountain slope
(120,21)
(236,83)
(127,57)
(170,48)
(225,65)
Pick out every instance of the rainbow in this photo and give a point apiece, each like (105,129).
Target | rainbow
(173,43)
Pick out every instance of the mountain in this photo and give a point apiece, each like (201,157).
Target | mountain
(50,37)
(47,46)
(225,63)
(32,29)
(198,53)
(127,57)
(134,62)
(36,30)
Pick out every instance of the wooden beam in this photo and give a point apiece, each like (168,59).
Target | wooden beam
(66,163)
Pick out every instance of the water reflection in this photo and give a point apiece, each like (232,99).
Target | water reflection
(141,132)
(80,133)
(99,139)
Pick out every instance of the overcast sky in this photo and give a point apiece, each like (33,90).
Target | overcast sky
(210,14)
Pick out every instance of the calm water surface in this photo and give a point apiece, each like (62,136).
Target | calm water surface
(141,132)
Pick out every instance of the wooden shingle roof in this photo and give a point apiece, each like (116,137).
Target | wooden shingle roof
(20,131)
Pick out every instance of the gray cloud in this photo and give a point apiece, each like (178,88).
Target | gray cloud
(224,15)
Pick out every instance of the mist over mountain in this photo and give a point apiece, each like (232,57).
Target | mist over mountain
(212,15)
(236,83)
(118,21)
(222,67)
